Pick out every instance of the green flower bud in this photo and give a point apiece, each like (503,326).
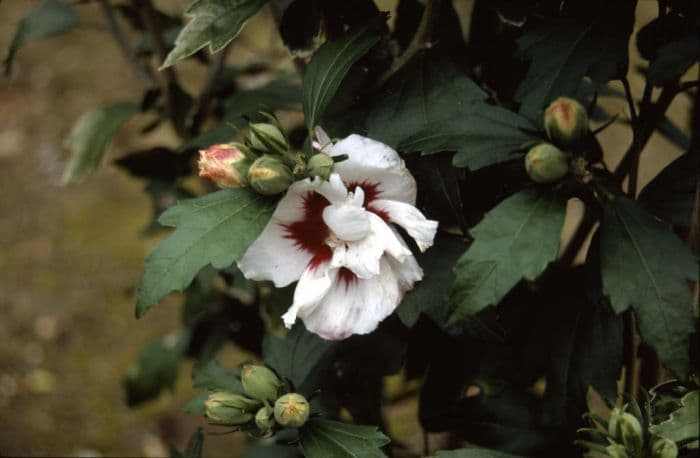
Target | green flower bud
(268,175)
(226,408)
(614,423)
(264,419)
(320,165)
(292,410)
(565,121)
(616,451)
(632,433)
(260,383)
(546,163)
(266,138)
(225,164)
(664,448)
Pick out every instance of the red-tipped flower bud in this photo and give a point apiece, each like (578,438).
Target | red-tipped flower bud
(269,175)
(565,121)
(225,164)
(546,163)
(292,410)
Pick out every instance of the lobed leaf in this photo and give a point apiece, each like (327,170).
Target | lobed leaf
(90,136)
(214,23)
(646,266)
(214,229)
(326,438)
(671,193)
(515,240)
(683,425)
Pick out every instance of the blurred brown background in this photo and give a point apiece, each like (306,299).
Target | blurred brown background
(71,256)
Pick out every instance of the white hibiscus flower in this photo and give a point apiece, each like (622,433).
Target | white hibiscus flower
(336,239)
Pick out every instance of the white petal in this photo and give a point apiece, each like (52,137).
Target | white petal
(373,162)
(362,257)
(356,307)
(348,222)
(314,284)
(273,255)
(410,218)
(334,190)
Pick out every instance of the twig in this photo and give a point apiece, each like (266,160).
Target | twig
(631,361)
(630,100)
(208,91)
(649,116)
(122,41)
(578,238)
(148,17)
(420,42)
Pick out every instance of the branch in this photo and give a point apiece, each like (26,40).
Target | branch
(123,42)
(208,91)
(420,42)
(149,19)
(649,117)
(630,100)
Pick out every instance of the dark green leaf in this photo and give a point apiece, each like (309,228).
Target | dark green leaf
(221,133)
(431,295)
(683,425)
(296,356)
(675,134)
(473,453)
(214,22)
(485,135)
(194,446)
(646,266)
(156,163)
(211,376)
(432,90)
(282,92)
(328,67)
(156,368)
(673,60)
(671,194)
(561,52)
(326,438)
(214,229)
(50,18)
(90,136)
(515,240)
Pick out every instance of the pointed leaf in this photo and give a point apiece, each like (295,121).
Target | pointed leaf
(431,90)
(50,18)
(214,229)
(515,240)
(297,356)
(90,136)
(673,60)
(326,438)
(483,136)
(214,22)
(328,67)
(646,266)
(671,193)
(561,52)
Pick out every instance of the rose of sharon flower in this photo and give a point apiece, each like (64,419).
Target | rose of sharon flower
(336,238)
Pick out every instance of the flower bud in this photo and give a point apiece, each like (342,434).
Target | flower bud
(546,163)
(632,433)
(225,164)
(616,451)
(614,423)
(565,121)
(320,165)
(226,408)
(664,448)
(292,410)
(260,383)
(266,138)
(268,175)
(264,419)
